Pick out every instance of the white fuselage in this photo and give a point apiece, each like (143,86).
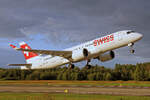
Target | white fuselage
(95,48)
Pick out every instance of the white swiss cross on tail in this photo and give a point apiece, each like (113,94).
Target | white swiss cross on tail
(25,52)
(27,55)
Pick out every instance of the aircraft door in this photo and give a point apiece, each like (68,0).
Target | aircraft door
(120,36)
(40,62)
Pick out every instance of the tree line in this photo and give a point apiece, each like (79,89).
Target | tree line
(125,72)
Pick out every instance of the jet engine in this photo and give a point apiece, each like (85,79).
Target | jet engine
(85,52)
(107,56)
(80,54)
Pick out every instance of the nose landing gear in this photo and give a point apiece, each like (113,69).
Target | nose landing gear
(132,51)
(131,48)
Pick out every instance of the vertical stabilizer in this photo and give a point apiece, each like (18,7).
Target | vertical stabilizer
(27,55)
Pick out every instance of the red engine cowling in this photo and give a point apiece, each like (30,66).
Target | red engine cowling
(107,56)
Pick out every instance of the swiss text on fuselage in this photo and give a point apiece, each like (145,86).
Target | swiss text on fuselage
(103,40)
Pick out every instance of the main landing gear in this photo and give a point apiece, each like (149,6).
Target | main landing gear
(87,64)
(131,48)
(71,66)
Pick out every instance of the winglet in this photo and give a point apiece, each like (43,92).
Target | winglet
(13,46)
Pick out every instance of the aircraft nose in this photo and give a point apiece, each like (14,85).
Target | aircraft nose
(139,35)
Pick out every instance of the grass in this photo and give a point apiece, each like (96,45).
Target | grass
(77,83)
(46,96)
(54,96)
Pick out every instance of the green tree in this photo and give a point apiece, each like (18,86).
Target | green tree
(108,76)
(139,73)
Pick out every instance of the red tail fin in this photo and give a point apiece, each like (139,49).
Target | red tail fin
(27,55)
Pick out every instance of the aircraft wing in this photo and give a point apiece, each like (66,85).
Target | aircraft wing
(65,54)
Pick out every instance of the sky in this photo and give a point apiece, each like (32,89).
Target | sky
(60,24)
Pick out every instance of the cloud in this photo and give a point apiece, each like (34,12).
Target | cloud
(70,22)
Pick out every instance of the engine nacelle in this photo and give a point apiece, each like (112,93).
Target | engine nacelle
(107,56)
(85,52)
(80,54)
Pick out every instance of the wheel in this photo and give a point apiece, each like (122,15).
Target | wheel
(132,51)
(130,44)
(88,66)
(71,66)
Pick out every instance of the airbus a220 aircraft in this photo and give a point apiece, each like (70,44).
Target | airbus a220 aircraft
(100,48)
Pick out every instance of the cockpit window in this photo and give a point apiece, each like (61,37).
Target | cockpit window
(129,32)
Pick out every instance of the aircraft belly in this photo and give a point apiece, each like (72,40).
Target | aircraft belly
(56,61)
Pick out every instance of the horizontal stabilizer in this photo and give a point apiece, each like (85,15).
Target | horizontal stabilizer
(27,65)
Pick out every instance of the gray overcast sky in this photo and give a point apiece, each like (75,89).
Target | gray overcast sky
(58,24)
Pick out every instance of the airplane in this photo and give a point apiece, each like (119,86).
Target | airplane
(100,48)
